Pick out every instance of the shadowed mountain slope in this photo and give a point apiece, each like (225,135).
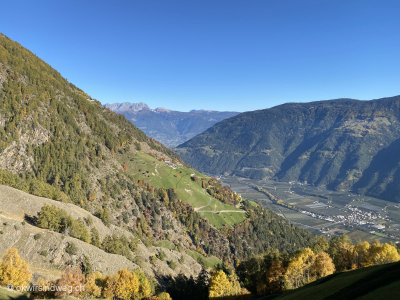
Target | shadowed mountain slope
(343,144)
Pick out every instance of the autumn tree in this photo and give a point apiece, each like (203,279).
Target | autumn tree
(144,285)
(164,296)
(383,253)
(299,269)
(219,284)
(71,278)
(321,245)
(222,285)
(104,215)
(49,217)
(43,291)
(360,255)
(14,270)
(323,265)
(91,287)
(340,250)
(91,195)
(122,285)
(235,288)
(273,281)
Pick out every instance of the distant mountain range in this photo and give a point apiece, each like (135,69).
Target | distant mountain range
(343,144)
(169,127)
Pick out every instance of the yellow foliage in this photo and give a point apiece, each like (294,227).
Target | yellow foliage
(383,254)
(164,296)
(323,265)
(361,257)
(121,285)
(14,270)
(273,282)
(220,285)
(298,272)
(144,289)
(144,284)
(91,288)
(70,278)
(44,289)
(235,288)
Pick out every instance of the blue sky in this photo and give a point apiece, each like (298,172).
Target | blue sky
(221,55)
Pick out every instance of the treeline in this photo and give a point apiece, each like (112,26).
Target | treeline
(207,239)
(58,220)
(276,272)
(220,282)
(80,283)
(217,190)
(31,185)
(263,230)
(124,285)
(140,209)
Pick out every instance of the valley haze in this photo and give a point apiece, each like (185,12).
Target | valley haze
(169,127)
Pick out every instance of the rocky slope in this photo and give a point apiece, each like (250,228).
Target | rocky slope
(45,249)
(343,144)
(169,127)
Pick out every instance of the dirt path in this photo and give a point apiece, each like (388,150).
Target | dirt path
(197,208)
(222,211)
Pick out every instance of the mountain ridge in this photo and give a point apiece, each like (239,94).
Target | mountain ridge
(170,127)
(332,143)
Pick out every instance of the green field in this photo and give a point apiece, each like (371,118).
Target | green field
(166,244)
(168,175)
(210,261)
(219,220)
(380,234)
(372,283)
(6,295)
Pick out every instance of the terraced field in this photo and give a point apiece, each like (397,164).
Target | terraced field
(159,173)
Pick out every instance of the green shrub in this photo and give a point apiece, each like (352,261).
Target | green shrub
(71,249)
(161,255)
(172,264)
(153,260)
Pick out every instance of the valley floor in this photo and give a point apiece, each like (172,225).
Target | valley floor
(325,212)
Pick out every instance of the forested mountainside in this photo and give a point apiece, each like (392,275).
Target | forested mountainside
(169,127)
(343,144)
(59,143)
